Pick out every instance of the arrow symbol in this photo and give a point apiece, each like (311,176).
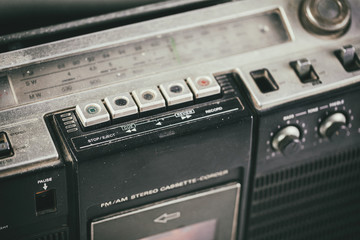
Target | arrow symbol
(158,124)
(131,130)
(185,117)
(45,186)
(167,217)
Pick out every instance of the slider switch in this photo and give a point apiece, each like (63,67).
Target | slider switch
(5,147)
(305,71)
(349,58)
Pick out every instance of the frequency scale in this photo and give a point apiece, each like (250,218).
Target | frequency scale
(139,57)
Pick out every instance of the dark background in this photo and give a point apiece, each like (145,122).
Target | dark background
(21,15)
(25,23)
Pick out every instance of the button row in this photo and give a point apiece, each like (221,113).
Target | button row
(124,106)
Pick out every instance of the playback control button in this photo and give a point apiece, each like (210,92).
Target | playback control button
(149,99)
(5,148)
(92,113)
(204,86)
(121,105)
(176,92)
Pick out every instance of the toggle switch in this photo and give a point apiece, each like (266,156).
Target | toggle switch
(347,55)
(349,58)
(305,70)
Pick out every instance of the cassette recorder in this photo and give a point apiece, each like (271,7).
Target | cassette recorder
(232,121)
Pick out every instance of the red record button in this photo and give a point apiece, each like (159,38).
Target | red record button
(203,86)
(203,82)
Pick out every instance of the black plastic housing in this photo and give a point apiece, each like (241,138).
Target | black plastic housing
(35,204)
(312,193)
(112,163)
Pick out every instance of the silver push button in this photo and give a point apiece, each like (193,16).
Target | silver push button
(92,113)
(148,99)
(176,92)
(204,86)
(121,105)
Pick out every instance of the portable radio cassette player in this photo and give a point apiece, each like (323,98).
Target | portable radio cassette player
(238,120)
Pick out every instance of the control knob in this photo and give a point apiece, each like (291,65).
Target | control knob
(326,17)
(334,126)
(287,140)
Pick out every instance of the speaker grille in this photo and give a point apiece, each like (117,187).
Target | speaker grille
(317,200)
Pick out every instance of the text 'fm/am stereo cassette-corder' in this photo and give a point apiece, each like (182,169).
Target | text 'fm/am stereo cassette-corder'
(235,121)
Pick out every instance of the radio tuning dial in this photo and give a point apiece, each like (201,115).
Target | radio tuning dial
(326,17)
(287,140)
(333,126)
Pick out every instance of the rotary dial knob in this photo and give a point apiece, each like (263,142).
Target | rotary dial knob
(334,126)
(326,17)
(287,140)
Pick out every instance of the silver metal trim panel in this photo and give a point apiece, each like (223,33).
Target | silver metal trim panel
(319,51)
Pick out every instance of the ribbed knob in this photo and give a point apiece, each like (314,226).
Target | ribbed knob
(287,140)
(334,126)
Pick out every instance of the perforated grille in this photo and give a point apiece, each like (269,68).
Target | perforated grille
(318,200)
